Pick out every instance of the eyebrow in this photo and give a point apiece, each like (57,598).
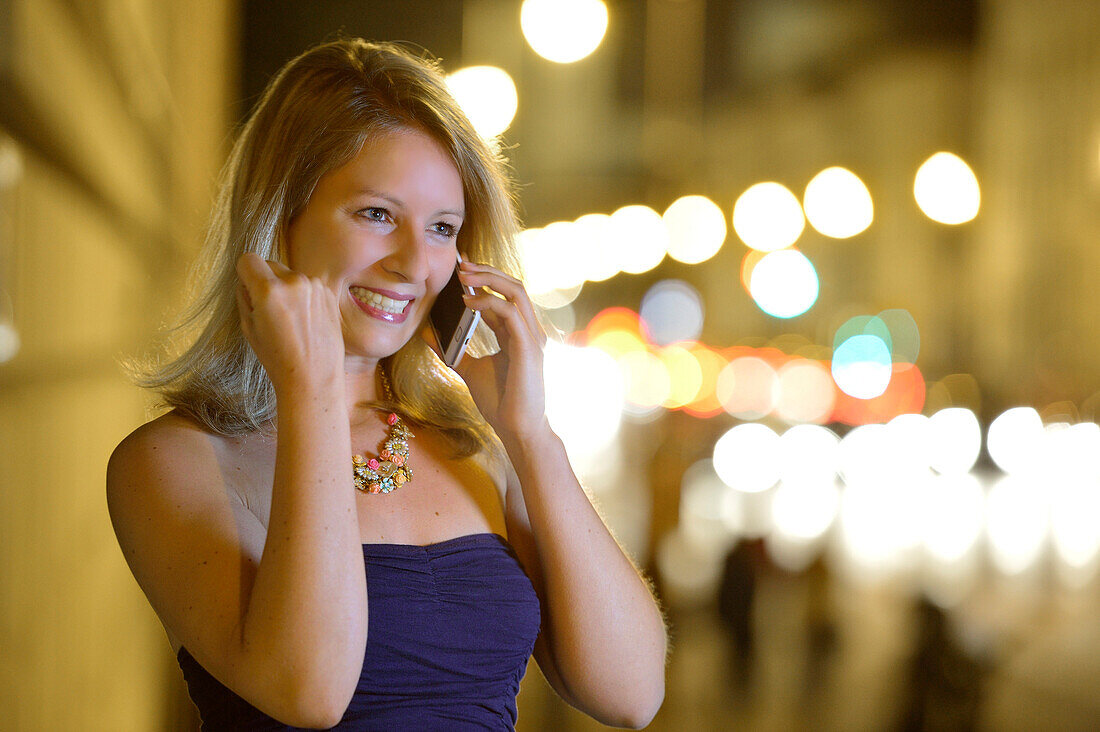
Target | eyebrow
(401,204)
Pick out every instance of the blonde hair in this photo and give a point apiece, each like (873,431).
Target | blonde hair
(315,116)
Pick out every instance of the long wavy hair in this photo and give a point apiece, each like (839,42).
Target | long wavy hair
(315,115)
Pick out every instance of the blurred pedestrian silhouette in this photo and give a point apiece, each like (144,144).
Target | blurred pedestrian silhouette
(735,601)
(943,686)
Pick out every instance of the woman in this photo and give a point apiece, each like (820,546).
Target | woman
(242,513)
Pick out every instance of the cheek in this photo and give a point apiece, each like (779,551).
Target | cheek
(443,268)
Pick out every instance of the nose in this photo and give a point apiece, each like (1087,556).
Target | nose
(408,258)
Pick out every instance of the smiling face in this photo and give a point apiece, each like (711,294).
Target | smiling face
(381,233)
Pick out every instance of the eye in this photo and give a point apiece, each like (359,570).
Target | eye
(444,229)
(375,213)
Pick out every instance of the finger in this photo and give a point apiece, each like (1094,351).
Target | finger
(279,269)
(244,308)
(251,268)
(501,316)
(480,275)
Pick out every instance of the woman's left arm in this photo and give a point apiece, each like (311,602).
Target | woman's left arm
(602,644)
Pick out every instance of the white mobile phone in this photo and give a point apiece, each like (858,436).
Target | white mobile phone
(452,322)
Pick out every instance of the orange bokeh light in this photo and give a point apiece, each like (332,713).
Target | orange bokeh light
(904,395)
(711,363)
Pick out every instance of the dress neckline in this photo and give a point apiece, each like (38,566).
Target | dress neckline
(479,538)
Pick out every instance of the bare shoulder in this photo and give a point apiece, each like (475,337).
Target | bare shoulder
(171,458)
(186,536)
(169,443)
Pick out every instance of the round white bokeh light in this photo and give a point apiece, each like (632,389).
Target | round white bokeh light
(747,458)
(487,95)
(768,217)
(862,366)
(838,204)
(947,190)
(784,284)
(563,31)
(696,229)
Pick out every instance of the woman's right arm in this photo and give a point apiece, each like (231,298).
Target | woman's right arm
(280,619)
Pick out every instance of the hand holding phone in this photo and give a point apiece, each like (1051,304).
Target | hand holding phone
(452,322)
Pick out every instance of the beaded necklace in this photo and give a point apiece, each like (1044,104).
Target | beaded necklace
(390,470)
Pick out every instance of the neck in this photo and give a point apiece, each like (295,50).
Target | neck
(362,384)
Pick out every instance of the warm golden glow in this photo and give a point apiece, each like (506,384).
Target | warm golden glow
(648,384)
(640,238)
(685,375)
(592,233)
(617,342)
(563,31)
(838,204)
(696,229)
(947,190)
(768,217)
(488,97)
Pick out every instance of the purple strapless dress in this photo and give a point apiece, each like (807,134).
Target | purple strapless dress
(451,627)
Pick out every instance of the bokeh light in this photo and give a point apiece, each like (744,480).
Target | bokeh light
(648,384)
(487,95)
(746,458)
(562,249)
(640,238)
(1075,506)
(862,366)
(673,311)
(563,31)
(947,190)
(952,516)
(912,433)
(809,454)
(709,509)
(747,387)
(1016,524)
(711,363)
(685,375)
(593,235)
(585,394)
(784,284)
(617,341)
(904,334)
(768,216)
(838,204)
(616,318)
(1014,439)
(956,440)
(696,229)
(804,511)
(871,325)
(876,526)
(905,393)
(805,392)
(555,299)
(748,264)
(864,456)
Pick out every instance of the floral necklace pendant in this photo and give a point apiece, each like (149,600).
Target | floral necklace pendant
(390,470)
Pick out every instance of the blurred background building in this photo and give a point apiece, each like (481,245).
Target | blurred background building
(825,272)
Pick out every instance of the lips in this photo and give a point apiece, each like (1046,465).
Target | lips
(384,305)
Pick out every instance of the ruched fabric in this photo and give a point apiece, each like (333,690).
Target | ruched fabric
(450,629)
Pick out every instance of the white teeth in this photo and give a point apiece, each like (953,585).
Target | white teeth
(381,302)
